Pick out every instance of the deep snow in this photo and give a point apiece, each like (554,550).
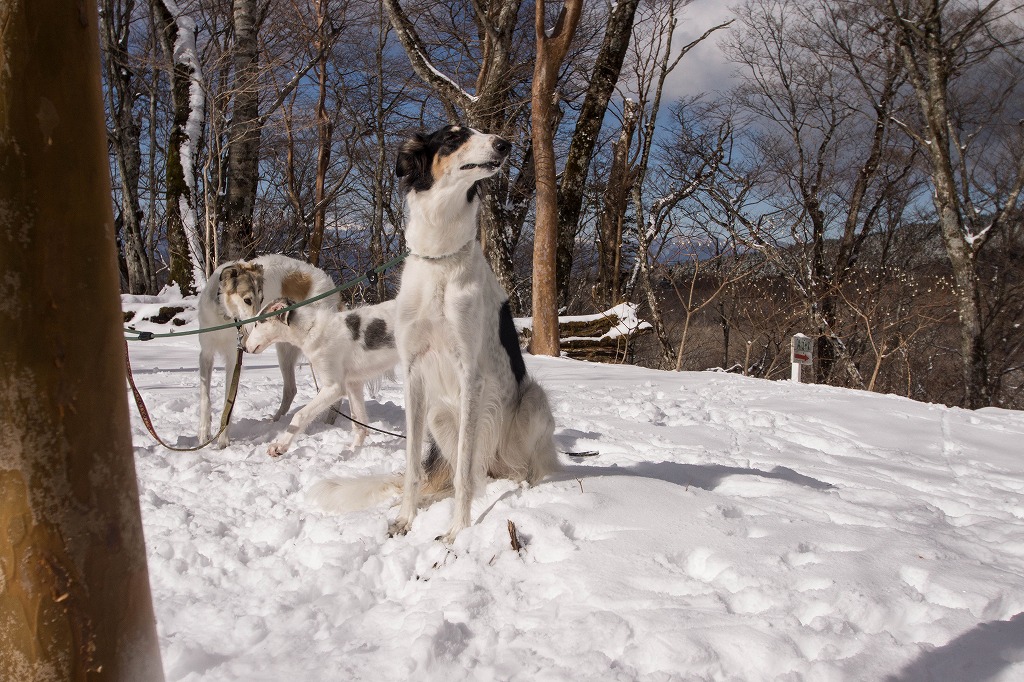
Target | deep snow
(729,529)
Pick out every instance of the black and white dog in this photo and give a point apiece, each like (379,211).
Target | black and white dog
(468,398)
(346,348)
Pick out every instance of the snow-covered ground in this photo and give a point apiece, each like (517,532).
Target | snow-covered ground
(729,529)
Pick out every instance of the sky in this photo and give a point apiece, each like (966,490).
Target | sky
(705,68)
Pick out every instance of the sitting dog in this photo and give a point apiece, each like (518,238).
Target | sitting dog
(346,349)
(236,291)
(467,393)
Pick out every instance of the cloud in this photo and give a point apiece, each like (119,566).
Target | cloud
(704,69)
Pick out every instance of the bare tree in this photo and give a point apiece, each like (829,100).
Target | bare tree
(243,136)
(552,46)
(601,84)
(949,48)
(177,35)
(615,201)
(75,602)
(656,58)
(498,70)
(125,135)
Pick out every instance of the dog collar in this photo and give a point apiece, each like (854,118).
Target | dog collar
(444,256)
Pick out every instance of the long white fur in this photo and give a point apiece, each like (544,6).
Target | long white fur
(343,360)
(216,310)
(459,385)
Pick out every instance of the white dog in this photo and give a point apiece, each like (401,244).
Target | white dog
(236,291)
(346,349)
(467,393)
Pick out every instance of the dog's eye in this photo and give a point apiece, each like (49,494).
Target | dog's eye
(248,300)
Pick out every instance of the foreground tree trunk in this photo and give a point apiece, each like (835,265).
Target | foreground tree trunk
(74,590)
(551,50)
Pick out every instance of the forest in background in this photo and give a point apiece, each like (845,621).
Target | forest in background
(858,180)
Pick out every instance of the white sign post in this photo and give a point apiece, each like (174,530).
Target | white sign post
(801,352)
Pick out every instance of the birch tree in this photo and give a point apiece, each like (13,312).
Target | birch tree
(189,259)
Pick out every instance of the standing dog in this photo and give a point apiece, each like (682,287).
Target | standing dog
(236,291)
(466,389)
(346,349)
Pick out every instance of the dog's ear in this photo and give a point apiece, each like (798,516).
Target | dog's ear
(230,272)
(413,159)
(280,304)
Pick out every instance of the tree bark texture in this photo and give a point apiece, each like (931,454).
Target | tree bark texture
(616,198)
(179,194)
(551,51)
(74,591)
(617,35)
(238,240)
(929,55)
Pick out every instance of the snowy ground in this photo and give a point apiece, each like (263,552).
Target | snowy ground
(729,529)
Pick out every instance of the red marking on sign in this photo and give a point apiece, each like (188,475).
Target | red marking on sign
(801,356)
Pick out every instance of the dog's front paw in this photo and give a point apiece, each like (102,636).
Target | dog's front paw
(277,449)
(398,527)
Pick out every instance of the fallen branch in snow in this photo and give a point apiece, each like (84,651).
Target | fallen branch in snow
(516,545)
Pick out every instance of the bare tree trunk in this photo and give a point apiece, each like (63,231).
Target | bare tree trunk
(605,75)
(616,198)
(324,138)
(238,240)
(551,50)
(74,590)
(930,51)
(177,37)
(122,92)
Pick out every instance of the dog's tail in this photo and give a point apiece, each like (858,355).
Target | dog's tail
(352,494)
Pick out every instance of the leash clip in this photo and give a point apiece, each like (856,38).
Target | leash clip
(241,339)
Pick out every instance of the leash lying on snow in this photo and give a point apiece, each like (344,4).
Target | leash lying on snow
(225,417)
(368,276)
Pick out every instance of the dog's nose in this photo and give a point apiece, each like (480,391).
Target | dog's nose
(502,146)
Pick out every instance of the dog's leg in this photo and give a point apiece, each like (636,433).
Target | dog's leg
(205,372)
(231,360)
(287,357)
(415,417)
(471,385)
(327,395)
(357,408)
